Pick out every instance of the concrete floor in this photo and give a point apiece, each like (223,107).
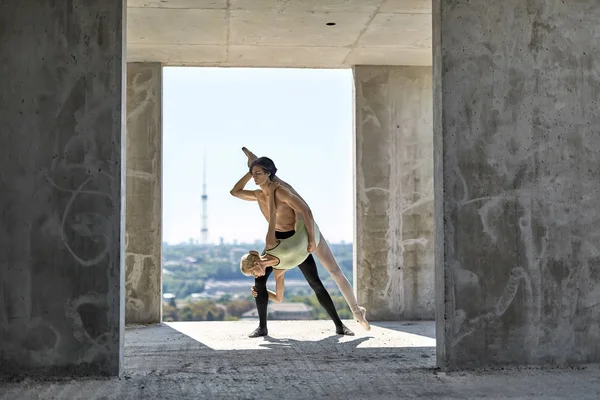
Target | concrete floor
(301,360)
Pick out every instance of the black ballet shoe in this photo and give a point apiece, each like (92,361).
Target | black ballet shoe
(343,330)
(258,332)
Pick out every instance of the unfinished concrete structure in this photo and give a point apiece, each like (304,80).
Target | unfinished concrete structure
(517,153)
(515,122)
(394,192)
(143,244)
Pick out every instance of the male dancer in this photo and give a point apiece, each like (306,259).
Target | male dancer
(263,170)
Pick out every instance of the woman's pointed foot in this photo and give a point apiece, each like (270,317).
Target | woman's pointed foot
(361,318)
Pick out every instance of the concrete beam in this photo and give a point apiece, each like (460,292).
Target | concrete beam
(517,158)
(143,276)
(394,192)
(61,202)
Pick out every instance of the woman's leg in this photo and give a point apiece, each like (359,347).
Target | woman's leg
(325,256)
(262,300)
(309,270)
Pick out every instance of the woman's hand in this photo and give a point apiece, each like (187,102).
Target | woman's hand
(312,246)
(254,292)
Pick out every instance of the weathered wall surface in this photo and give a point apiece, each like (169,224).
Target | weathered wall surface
(143,274)
(61,108)
(518,181)
(394,192)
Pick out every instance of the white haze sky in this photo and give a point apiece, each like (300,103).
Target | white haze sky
(301,118)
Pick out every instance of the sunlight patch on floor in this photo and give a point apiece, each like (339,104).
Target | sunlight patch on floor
(219,335)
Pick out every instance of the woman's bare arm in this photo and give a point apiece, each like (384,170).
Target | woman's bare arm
(277,296)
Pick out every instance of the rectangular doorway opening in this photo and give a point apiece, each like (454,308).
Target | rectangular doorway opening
(312,124)
(302,120)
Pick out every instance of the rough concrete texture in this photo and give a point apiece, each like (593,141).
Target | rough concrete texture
(394,192)
(61,108)
(518,178)
(143,275)
(301,360)
(280,33)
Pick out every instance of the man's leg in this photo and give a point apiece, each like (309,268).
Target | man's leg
(309,270)
(262,300)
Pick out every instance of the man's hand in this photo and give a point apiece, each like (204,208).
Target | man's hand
(254,292)
(312,246)
(251,156)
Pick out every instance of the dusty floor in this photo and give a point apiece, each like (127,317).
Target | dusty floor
(302,360)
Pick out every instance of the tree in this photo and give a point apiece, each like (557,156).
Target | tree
(170,313)
(186,314)
(238,307)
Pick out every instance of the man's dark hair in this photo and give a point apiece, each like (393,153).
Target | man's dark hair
(266,164)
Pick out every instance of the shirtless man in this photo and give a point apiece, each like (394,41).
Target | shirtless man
(288,204)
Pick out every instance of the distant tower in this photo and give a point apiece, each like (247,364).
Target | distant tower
(204,201)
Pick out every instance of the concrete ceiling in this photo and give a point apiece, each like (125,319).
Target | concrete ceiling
(280,33)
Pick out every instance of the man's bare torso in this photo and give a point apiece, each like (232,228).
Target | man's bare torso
(286,216)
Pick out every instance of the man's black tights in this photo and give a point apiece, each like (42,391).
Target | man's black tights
(262,300)
(309,270)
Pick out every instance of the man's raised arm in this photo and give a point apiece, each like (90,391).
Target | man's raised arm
(238,189)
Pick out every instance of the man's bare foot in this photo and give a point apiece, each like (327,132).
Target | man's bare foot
(361,318)
(258,332)
(343,330)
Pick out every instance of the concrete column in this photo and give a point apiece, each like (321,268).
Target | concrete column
(143,279)
(61,187)
(517,167)
(394,192)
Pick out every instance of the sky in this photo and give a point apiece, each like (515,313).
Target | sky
(301,118)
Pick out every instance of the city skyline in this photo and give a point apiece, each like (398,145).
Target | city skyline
(302,119)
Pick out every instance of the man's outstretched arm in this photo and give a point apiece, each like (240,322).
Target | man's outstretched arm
(238,189)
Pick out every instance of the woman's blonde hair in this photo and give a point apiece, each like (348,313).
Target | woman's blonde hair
(247,263)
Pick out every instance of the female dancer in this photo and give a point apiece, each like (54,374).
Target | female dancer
(323,252)
(284,252)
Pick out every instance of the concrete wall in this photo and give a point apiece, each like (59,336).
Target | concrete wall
(61,115)
(517,153)
(394,192)
(144,194)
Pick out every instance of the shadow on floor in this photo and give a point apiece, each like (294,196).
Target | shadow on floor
(334,340)
(422,328)
(162,349)
(163,363)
